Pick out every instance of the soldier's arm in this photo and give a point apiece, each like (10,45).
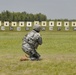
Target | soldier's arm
(40,40)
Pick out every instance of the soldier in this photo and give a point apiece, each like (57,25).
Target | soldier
(31,41)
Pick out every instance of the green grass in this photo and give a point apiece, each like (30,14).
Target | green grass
(58,53)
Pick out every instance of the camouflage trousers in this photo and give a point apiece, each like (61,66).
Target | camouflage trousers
(33,54)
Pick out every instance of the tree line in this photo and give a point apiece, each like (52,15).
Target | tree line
(21,16)
(24,16)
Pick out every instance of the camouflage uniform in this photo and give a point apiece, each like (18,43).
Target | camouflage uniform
(31,41)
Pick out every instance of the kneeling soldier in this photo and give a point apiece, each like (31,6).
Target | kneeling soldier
(31,41)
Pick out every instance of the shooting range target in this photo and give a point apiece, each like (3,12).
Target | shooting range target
(43,23)
(51,23)
(73,24)
(59,23)
(0,23)
(14,24)
(66,24)
(36,22)
(21,24)
(29,24)
(6,23)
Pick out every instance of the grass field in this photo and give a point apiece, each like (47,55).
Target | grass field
(58,54)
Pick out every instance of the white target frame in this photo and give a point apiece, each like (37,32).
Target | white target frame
(59,24)
(14,24)
(0,23)
(66,24)
(73,24)
(36,22)
(51,23)
(6,23)
(43,23)
(21,24)
(29,24)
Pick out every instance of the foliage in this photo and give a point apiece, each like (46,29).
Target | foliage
(21,16)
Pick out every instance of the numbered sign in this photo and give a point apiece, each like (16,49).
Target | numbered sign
(2,27)
(27,28)
(66,28)
(11,28)
(74,29)
(43,28)
(51,28)
(59,28)
(18,28)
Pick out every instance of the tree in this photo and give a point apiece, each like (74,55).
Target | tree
(21,16)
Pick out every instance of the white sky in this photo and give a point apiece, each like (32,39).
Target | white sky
(53,9)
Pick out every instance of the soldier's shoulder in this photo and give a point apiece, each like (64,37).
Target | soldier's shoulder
(37,34)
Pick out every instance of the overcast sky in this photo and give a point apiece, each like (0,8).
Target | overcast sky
(53,9)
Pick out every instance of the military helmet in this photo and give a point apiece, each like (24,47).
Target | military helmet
(37,28)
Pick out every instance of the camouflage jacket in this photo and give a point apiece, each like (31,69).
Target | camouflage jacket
(33,38)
